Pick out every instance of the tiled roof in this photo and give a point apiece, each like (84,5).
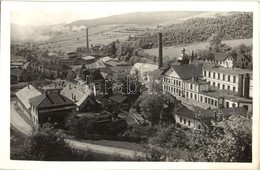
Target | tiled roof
(79,92)
(49,100)
(27,93)
(118,98)
(220,56)
(187,71)
(157,74)
(105,59)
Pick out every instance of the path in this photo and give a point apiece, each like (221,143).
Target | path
(18,122)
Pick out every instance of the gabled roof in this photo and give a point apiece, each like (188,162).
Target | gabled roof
(79,92)
(187,71)
(240,56)
(51,99)
(26,65)
(27,93)
(157,74)
(112,63)
(118,98)
(219,56)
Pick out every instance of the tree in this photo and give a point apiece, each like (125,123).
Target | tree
(29,57)
(232,141)
(46,143)
(113,48)
(214,42)
(151,106)
(80,126)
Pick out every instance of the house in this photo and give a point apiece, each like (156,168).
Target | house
(21,75)
(190,119)
(230,79)
(230,61)
(120,100)
(88,59)
(23,97)
(81,95)
(50,107)
(174,77)
(142,70)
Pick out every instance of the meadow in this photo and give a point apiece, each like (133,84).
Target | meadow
(174,51)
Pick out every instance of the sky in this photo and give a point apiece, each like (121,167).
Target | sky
(48,13)
(54,13)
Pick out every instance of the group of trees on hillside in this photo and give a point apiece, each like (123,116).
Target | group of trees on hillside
(232,26)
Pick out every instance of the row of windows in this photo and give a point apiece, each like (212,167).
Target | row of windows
(217,76)
(227,87)
(172,81)
(184,122)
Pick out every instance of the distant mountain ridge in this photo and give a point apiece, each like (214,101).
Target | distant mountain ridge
(141,18)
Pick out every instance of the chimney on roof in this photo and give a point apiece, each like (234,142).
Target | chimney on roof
(160,60)
(70,86)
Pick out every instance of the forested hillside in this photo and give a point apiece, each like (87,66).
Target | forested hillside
(234,26)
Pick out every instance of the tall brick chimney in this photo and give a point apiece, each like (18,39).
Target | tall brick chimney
(160,60)
(246,86)
(87,40)
(240,85)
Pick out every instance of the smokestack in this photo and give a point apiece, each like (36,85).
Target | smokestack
(240,85)
(246,86)
(160,61)
(87,40)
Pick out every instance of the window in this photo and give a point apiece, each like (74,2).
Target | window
(179,83)
(234,79)
(234,89)
(195,96)
(213,74)
(227,104)
(228,87)
(174,82)
(246,107)
(205,74)
(206,99)
(191,86)
(174,90)
(223,76)
(191,95)
(209,73)
(201,98)
(214,84)
(212,102)
(187,94)
(218,85)
(218,75)
(228,78)
(171,89)
(216,103)
(188,123)
(233,105)
(223,86)
(184,121)
(180,120)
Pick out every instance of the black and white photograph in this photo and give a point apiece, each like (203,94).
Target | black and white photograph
(132,82)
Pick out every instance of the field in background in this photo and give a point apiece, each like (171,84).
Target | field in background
(174,51)
(104,34)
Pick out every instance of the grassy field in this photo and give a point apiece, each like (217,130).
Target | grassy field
(104,34)
(174,51)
